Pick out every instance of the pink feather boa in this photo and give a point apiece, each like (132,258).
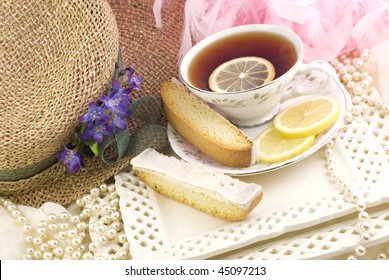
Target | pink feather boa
(327,27)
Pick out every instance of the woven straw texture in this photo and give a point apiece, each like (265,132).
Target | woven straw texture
(57,56)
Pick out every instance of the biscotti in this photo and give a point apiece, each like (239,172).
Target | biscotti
(206,129)
(211,192)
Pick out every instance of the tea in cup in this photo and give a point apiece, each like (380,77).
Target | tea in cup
(250,107)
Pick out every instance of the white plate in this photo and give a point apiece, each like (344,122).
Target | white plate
(192,154)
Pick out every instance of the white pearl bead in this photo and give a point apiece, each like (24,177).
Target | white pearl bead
(351,258)
(48,256)
(44,247)
(106,209)
(114,202)
(381,256)
(113,195)
(87,212)
(363,216)
(95,192)
(11,207)
(76,242)
(365,237)
(75,219)
(347,77)
(87,198)
(358,63)
(103,240)
(52,227)
(96,208)
(27,228)
(21,220)
(356,110)
(111,188)
(365,56)
(117,225)
(69,250)
(63,226)
(37,255)
(62,235)
(360,250)
(82,226)
(37,241)
(356,76)
(122,238)
(64,216)
(52,217)
(53,243)
(366,83)
(41,231)
(100,229)
(15,213)
(59,252)
(29,239)
(80,202)
(87,256)
(365,225)
(357,90)
(126,246)
(115,216)
(27,257)
(30,251)
(106,219)
(71,233)
(93,246)
(111,233)
(360,205)
(104,188)
(122,255)
(76,255)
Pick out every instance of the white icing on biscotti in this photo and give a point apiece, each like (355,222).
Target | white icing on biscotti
(210,182)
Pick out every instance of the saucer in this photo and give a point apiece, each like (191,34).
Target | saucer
(188,152)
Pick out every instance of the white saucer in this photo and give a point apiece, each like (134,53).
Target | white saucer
(190,153)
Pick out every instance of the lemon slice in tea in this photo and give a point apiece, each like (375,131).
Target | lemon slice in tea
(241,74)
(308,117)
(272,147)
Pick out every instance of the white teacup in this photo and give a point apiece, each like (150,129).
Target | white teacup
(255,106)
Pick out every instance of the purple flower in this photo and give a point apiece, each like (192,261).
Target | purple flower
(120,122)
(117,103)
(72,160)
(94,114)
(116,88)
(134,82)
(97,131)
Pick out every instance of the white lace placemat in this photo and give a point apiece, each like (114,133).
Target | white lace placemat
(361,150)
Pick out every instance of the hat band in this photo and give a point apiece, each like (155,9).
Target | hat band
(26,171)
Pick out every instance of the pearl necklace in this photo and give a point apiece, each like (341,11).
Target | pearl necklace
(359,84)
(66,236)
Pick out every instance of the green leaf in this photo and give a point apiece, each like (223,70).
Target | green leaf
(94,148)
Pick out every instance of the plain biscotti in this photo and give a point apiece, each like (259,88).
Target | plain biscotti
(211,192)
(200,125)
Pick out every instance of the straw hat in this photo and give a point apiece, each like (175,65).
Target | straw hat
(56,57)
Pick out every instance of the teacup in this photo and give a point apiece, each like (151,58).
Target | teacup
(282,47)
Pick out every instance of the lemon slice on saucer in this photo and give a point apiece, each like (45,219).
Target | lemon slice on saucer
(308,117)
(241,74)
(272,147)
